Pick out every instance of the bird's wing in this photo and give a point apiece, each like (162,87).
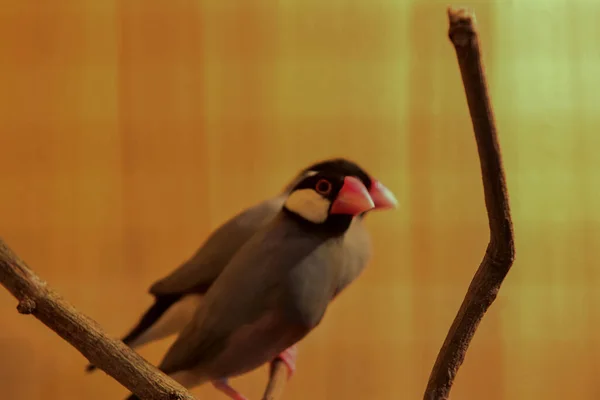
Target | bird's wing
(201,270)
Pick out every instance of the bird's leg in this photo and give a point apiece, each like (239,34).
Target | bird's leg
(288,356)
(223,386)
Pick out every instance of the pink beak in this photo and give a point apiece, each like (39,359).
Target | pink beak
(382,197)
(353,198)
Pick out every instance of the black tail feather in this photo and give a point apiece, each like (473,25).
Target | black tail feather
(161,304)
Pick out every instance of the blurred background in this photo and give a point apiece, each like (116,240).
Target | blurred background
(130,130)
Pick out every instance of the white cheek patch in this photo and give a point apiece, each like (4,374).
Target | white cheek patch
(309,205)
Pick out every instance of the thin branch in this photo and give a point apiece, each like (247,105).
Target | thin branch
(500,252)
(83,333)
(277,379)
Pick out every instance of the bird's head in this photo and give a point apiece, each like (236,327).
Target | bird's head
(329,200)
(382,197)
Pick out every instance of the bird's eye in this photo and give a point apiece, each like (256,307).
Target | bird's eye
(323,187)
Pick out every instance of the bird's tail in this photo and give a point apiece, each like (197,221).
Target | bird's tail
(160,306)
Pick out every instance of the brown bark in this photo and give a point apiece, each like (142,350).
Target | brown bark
(500,252)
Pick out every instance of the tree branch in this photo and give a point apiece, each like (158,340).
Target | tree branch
(83,333)
(277,379)
(500,251)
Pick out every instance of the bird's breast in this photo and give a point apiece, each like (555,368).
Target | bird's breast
(309,287)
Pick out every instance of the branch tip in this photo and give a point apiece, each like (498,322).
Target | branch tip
(461,15)
(462,26)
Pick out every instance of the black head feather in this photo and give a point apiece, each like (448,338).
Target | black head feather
(341,166)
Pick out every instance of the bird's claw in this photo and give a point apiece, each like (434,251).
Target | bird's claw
(288,357)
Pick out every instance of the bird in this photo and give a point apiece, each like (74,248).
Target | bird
(177,295)
(275,289)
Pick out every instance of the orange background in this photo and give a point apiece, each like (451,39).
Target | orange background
(129,130)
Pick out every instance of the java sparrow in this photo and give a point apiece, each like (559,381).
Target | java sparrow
(177,295)
(275,289)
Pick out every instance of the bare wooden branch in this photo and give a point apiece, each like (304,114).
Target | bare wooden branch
(277,380)
(83,333)
(500,252)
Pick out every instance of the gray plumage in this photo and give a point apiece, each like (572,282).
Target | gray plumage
(259,306)
(208,262)
(276,287)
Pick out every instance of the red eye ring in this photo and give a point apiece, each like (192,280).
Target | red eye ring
(323,187)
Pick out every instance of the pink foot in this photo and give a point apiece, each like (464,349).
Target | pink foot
(288,356)
(223,386)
